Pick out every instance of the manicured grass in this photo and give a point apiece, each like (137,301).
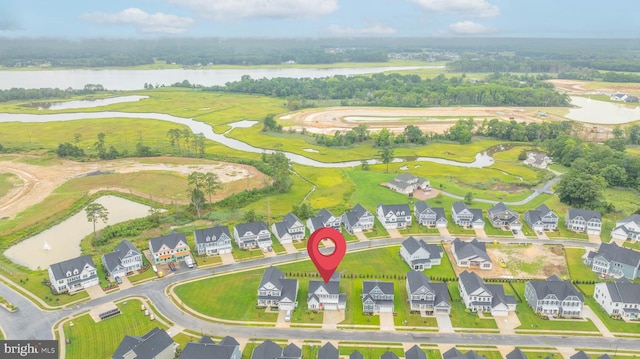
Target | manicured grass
(7,182)
(529,320)
(378,230)
(276,206)
(301,314)
(461,317)
(368,191)
(417,230)
(370,351)
(100,340)
(353,313)
(542,355)
(404,317)
(333,187)
(613,325)
(149,273)
(310,351)
(248,350)
(577,269)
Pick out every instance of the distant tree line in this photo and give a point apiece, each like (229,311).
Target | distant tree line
(398,90)
(21,94)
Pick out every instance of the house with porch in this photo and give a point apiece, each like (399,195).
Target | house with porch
(502,217)
(124,259)
(471,254)
(614,261)
(425,296)
(478,296)
(541,219)
(170,248)
(554,297)
(156,344)
(357,220)
(73,275)
(326,296)
(619,299)
(290,229)
(583,220)
(406,183)
(467,217)
(377,297)
(252,235)
(212,241)
(277,291)
(419,255)
(394,215)
(627,228)
(429,216)
(324,219)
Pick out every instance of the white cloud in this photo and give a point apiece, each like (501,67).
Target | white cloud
(370,29)
(472,8)
(235,9)
(158,22)
(470,28)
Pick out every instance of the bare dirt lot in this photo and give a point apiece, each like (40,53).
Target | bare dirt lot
(577,87)
(40,181)
(531,261)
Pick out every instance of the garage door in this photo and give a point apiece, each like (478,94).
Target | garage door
(386,309)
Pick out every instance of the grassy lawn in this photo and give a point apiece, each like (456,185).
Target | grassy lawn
(100,340)
(301,314)
(333,187)
(368,191)
(7,182)
(577,269)
(542,355)
(377,231)
(370,351)
(613,325)
(530,321)
(460,317)
(248,350)
(625,201)
(417,230)
(404,317)
(310,351)
(149,273)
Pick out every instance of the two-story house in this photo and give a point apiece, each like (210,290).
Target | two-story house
(277,291)
(211,241)
(124,259)
(73,275)
(429,216)
(502,217)
(471,254)
(324,219)
(328,351)
(554,297)
(627,228)
(228,348)
(394,215)
(406,183)
(326,296)
(415,352)
(454,353)
(541,219)
(614,261)
(170,248)
(467,217)
(252,235)
(377,297)
(357,220)
(478,296)
(584,220)
(619,299)
(156,344)
(290,229)
(420,255)
(271,350)
(425,296)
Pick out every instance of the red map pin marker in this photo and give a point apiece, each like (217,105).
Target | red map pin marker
(326,264)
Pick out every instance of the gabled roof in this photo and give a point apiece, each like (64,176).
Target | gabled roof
(517,354)
(472,282)
(580,355)
(328,351)
(404,177)
(459,207)
(356,355)
(206,350)
(281,229)
(397,209)
(587,214)
(146,346)
(289,289)
(369,285)
(454,353)
(415,353)
(559,288)
(412,245)
(60,269)
(389,355)
(543,210)
(267,350)
(292,351)
(354,215)
(497,208)
(614,253)
(421,206)
(208,235)
(170,240)
(290,219)
(325,215)
(628,293)
(272,275)
(416,280)
(477,214)
(332,287)
(470,249)
(253,227)
(113,259)
(206,340)
(229,341)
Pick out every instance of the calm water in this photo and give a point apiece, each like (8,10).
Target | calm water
(135,79)
(593,111)
(89,103)
(62,241)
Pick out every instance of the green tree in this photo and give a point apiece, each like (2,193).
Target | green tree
(250,216)
(302,211)
(100,147)
(413,134)
(96,211)
(468,198)
(270,124)
(384,138)
(211,184)
(614,175)
(364,165)
(186,133)
(581,190)
(279,164)
(196,196)
(387,156)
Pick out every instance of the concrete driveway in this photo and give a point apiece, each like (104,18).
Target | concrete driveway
(519,235)
(290,248)
(386,322)
(280,322)
(361,237)
(594,238)
(542,235)
(394,233)
(588,313)
(95,292)
(227,258)
(508,324)
(330,318)
(444,323)
(444,232)
(480,233)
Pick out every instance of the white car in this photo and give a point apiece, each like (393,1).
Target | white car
(287,316)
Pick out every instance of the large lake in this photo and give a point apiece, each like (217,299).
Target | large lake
(610,113)
(135,79)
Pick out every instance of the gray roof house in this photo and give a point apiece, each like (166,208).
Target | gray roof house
(324,219)
(389,355)
(356,355)
(211,241)
(73,275)
(326,296)
(537,159)
(415,353)
(582,355)
(454,353)
(328,351)
(619,299)
(394,215)
(614,261)
(377,296)
(420,255)
(467,217)
(478,296)
(517,354)
(357,220)
(124,259)
(627,228)
(429,216)
(584,220)
(541,219)
(502,217)
(277,291)
(170,248)
(252,235)
(406,183)
(471,254)
(228,348)
(271,350)
(554,297)
(290,229)
(425,296)
(156,344)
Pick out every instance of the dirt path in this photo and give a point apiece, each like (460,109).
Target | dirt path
(40,181)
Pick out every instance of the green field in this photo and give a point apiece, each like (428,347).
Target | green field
(577,269)
(7,182)
(461,317)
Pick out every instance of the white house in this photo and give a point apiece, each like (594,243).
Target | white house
(420,255)
(377,297)
(406,183)
(471,254)
(124,259)
(210,241)
(627,228)
(290,229)
(619,299)
(394,215)
(357,220)
(326,296)
(277,291)
(478,296)
(467,217)
(73,275)
(584,220)
(429,216)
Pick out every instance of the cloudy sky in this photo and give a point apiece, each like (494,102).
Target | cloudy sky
(319,18)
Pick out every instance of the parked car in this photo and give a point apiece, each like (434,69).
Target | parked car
(287,316)
(118,280)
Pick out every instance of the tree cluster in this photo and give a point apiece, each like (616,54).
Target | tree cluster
(191,142)
(22,94)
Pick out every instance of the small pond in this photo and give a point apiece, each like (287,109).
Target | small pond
(88,103)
